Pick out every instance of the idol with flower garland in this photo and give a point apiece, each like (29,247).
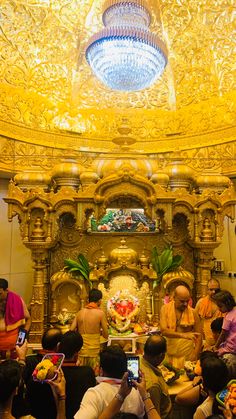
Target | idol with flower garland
(122,310)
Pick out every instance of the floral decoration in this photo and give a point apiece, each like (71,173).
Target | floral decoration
(122,308)
(47,368)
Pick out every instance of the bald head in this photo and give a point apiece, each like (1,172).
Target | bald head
(182,291)
(181,297)
(51,338)
(213,286)
(155,349)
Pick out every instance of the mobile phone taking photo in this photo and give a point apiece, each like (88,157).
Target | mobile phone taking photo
(133,369)
(21,337)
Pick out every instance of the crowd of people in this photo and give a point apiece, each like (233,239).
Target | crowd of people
(93,384)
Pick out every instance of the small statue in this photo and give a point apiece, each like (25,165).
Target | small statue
(64,317)
(207,234)
(92,223)
(38,233)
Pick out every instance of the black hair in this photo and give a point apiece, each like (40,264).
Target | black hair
(225,297)
(95,295)
(3,284)
(214,374)
(216,324)
(71,343)
(10,375)
(113,361)
(215,417)
(205,355)
(155,345)
(123,415)
(51,338)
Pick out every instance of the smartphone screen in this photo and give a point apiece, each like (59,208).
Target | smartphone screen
(133,368)
(21,337)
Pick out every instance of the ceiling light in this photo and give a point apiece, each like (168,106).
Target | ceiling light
(125,55)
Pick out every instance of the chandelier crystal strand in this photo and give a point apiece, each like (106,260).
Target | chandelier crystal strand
(125,55)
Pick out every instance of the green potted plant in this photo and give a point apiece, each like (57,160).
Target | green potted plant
(164,262)
(79,268)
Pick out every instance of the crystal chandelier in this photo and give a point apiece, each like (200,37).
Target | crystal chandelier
(125,55)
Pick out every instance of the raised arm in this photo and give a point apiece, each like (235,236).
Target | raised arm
(73,326)
(59,392)
(115,404)
(150,408)
(221,338)
(198,337)
(27,317)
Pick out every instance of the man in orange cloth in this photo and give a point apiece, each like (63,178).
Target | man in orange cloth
(208,310)
(89,322)
(13,315)
(181,325)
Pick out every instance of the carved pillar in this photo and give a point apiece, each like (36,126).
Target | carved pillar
(149,306)
(204,265)
(196,222)
(156,303)
(39,293)
(80,216)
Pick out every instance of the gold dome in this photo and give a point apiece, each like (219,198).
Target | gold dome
(67,173)
(123,255)
(160,178)
(61,276)
(120,164)
(88,177)
(178,275)
(181,175)
(214,181)
(29,179)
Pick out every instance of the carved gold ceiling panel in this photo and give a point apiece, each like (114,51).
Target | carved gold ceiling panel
(46,85)
(17,156)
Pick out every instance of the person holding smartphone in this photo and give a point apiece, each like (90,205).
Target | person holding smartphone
(125,388)
(14,316)
(113,363)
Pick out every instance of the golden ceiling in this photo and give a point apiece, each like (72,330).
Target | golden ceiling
(49,96)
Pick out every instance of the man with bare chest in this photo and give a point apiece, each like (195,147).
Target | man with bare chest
(180,324)
(13,315)
(91,322)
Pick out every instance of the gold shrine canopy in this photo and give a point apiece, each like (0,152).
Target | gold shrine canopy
(49,96)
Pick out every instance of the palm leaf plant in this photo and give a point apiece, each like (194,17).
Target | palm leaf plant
(164,262)
(79,267)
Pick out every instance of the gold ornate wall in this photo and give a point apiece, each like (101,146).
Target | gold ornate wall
(20,155)
(170,148)
(54,210)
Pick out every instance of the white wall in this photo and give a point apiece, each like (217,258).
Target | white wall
(226,252)
(16,264)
